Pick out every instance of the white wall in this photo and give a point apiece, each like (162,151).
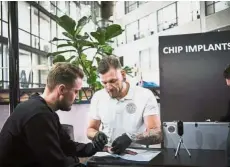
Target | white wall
(131,50)
(78,117)
(143,10)
(218,20)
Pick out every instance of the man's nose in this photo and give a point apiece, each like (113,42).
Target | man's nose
(108,86)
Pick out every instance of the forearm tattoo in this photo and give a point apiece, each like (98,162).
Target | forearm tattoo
(149,137)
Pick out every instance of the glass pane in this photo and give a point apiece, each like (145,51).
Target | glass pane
(73,10)
(0,10)
(6,66)
(210,9)
(53,30)
(152,23)
(209,2)
(24,37)
(1,69)
(1,79)
(132,30)
(167,17)
(160,16)
(221,5)
(45,4)
(53,2)
(60,31)
(61,6)
(184,12)
(35,71)
(132,7)
(45,45)
(54,48)
(169,13)
(35,42)
(34,21)
(24,68)
(24,16)
(5,29)
(67,4)
(5,10)
(143,27)
(44,70)
(59,13)
(44,27)
(52,9)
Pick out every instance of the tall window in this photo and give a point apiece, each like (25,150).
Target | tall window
(188,11)
(167,17)
(132,5)
(145,60)
(121,39)
(216,6)
(132,32)
(143,27)
(36,29)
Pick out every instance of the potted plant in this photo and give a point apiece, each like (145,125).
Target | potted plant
(79,42)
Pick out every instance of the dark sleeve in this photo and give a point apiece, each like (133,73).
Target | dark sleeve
(72,148)
(226,118)
(43,139)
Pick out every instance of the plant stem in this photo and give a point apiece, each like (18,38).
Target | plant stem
(95,56)
(79,58)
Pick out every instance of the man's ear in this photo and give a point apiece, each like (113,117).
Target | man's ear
(61,89)
(123,73)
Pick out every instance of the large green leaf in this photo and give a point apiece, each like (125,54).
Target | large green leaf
(59,58)
(67,23)
(92,79)
(106,49)
(113,31)
(57,39)
(84,37)
(59,52)
(66,34)
(98,85)
(99,35)
(81,23)
(85,43)
(64,45)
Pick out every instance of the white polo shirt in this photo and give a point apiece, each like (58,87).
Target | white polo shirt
(124,115)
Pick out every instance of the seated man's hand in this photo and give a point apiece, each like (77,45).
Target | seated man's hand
(120,144)
(100,140)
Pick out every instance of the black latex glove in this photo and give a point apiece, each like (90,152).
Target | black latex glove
(120,144)
(100,140)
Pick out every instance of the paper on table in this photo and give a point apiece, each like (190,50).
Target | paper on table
(142,155)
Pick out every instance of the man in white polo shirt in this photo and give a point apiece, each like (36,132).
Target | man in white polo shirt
(127,114)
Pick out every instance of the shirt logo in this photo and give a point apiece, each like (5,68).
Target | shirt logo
(131,108)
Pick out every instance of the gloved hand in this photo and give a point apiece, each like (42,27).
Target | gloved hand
(120,144)
(100,140)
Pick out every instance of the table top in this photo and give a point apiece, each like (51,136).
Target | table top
(199,158)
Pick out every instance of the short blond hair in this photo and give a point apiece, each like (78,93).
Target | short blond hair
(63,73)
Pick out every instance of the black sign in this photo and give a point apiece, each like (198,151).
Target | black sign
(191,76)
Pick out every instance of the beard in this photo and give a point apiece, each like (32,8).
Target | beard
(116,92)
(64,105)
